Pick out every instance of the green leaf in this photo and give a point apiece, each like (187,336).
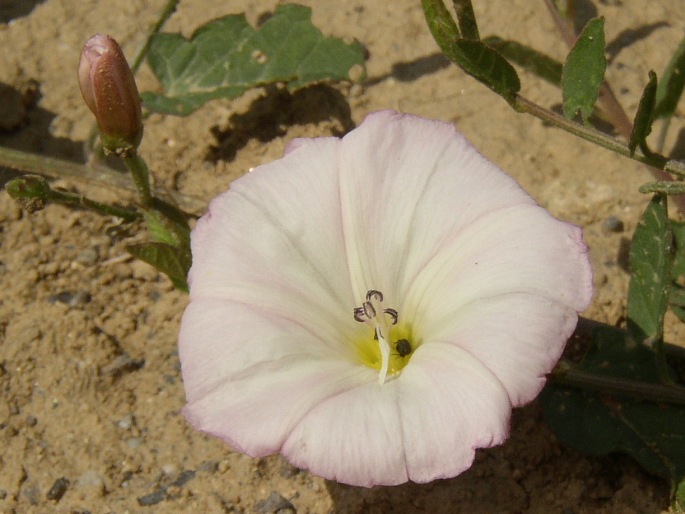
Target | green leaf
(440,23)
(166,224)
(600,423)
(226,57)
(672,83)
(171,261)
(650,266)
(531,60)
(677,295)
(678,269)
(486,65)
(642,125)
(467,19)
(583,71)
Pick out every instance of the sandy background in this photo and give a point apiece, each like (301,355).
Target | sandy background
(89,371)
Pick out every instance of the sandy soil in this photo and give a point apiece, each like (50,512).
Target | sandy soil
(89,373)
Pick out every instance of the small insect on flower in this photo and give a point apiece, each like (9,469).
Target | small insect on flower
(403,347)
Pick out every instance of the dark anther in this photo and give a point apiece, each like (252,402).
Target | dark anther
(359,314)
(393,314)
(371,293)
(403,347)
(369,310)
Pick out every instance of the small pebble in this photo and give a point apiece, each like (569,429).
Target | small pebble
(88,257)
(91,479)
(613,224)
(58,489)
(126,422)
(169,469)
(70,298)
(152,498)
(133,442)
(274,504)
(122,364)
(210,466)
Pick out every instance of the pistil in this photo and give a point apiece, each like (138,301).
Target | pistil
(380,320)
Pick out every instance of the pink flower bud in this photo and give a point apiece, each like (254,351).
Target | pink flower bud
(109,90)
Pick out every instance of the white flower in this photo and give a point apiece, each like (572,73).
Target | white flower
(373,306)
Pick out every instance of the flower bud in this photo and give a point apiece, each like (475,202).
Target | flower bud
(109,90)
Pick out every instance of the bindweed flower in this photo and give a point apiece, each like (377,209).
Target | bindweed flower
(110,91)
(373,306)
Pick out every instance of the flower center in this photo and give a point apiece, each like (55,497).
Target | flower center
(393,353)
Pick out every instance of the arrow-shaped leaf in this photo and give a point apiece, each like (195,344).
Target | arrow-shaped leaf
(227,56)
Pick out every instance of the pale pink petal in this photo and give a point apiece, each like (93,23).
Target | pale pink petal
(518,249)
(450,404)
(354,437)
(408,185)
(250,376)
(275,240)
(519,337)
(423,425)
(510,286)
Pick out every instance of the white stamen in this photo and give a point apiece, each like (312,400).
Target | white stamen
(372,313)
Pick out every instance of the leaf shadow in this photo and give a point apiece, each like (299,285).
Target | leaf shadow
(16,9)
(408,71)
(269,117)
(585,10)
(25,126)
(628,37)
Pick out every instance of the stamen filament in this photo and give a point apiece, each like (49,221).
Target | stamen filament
(384,347)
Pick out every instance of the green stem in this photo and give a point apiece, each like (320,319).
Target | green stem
(141,177)
(586,327)
(67,198)
(661,142)
(94,175)
(565,375)
(661,163)
(164,15)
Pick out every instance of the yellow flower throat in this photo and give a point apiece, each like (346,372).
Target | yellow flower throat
(389,346)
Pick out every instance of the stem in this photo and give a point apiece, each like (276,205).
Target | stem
(99,176)
(658,162)
(141,177)
(564,375)
(586,327)
(67,198)
(615,114)
(164,15)
(662,134)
